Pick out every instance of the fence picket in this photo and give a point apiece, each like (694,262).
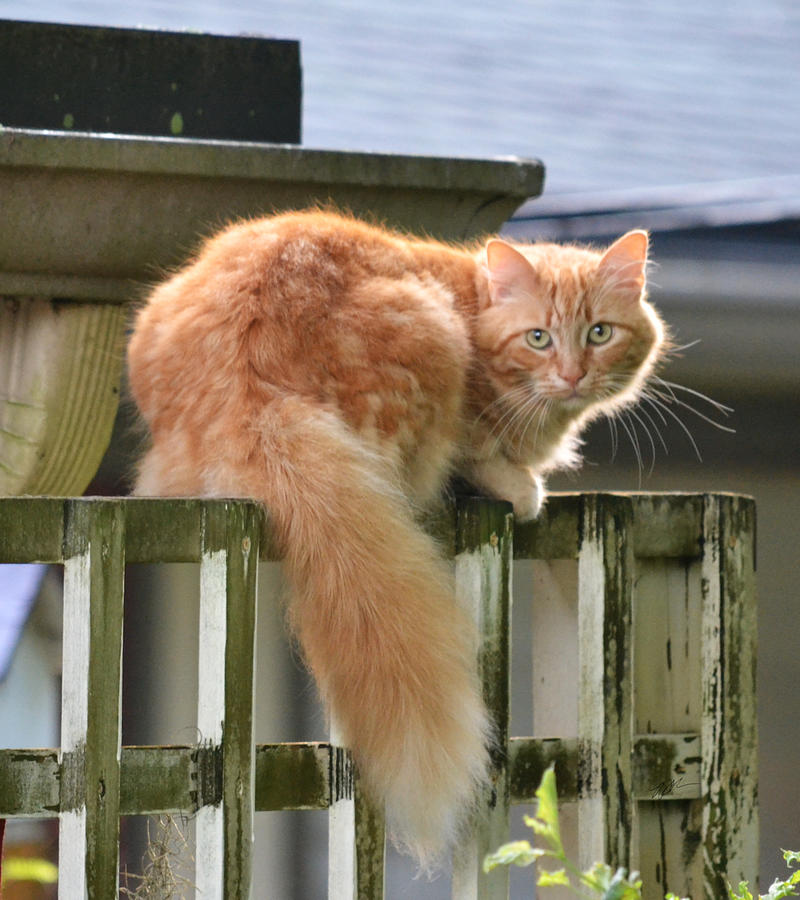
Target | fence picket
(484,551)
(729,741)
(370,847)
(228,570)
(94,540)
(342,871)
(606,809)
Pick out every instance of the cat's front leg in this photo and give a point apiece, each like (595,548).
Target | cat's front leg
(510,481)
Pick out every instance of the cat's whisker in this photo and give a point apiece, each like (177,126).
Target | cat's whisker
(612,427)
(537,412)
(669,397)
(637,450)
(646,398)
(502,425)
(522,421)
(542,418)
(523,418)
(655,427)
(503,399)
(508,402)
(665,407)
(674,351)
(512,411)
(633,413)
(673,386)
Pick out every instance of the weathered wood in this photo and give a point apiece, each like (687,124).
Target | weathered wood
(342,872)
(484,551)
(668,701)
(554,646)
(606,810)
(59,391)
(171,530)
(181,779)
(667,525)
(294,776)
(356,831)
(529,758)
(665,767)
(554,533)
(168,530)
(370,846)
(729,768)
(91,694)
(29,783)
(168,779)
(675,768)
(228,568)
(31,529)
(664,525)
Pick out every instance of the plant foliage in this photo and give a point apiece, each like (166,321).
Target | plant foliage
(600,881)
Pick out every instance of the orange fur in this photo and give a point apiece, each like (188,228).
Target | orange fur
(339,373)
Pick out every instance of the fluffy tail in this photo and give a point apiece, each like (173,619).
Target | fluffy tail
(373,606)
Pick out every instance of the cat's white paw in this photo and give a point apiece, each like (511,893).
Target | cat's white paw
(527,504)
(515,483)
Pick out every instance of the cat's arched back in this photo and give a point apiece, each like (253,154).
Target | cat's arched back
(339,373)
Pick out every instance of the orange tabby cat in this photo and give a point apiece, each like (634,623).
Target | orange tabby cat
(339,373)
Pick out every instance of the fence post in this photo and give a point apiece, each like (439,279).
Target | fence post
(606,807)
(484,553)
(356,834)
(729,737)
(94,565)
(228,570)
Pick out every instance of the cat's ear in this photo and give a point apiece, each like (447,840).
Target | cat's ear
(509,273)
(623,267)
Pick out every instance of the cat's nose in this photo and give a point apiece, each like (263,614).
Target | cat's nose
(572,376)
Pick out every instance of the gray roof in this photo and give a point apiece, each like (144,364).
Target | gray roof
(589,214)
(614,94)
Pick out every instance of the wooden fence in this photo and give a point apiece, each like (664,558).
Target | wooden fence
(644,655)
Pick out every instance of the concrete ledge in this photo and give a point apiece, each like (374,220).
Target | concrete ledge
(93,216)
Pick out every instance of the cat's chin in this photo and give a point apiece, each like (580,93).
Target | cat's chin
(574,402)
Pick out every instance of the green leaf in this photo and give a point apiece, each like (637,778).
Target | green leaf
(542,829)
(547,796)
(744,892)
(553,878)
(792,857)
(598,878)
(517,853)
(779,889)
(545,823)
(671,896)
(620,888)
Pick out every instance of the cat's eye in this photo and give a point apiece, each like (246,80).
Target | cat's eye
(600,333)
(538,338)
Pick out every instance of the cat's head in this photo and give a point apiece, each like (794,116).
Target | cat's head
(569,324)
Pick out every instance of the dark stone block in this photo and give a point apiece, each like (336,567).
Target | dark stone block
(133,81)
